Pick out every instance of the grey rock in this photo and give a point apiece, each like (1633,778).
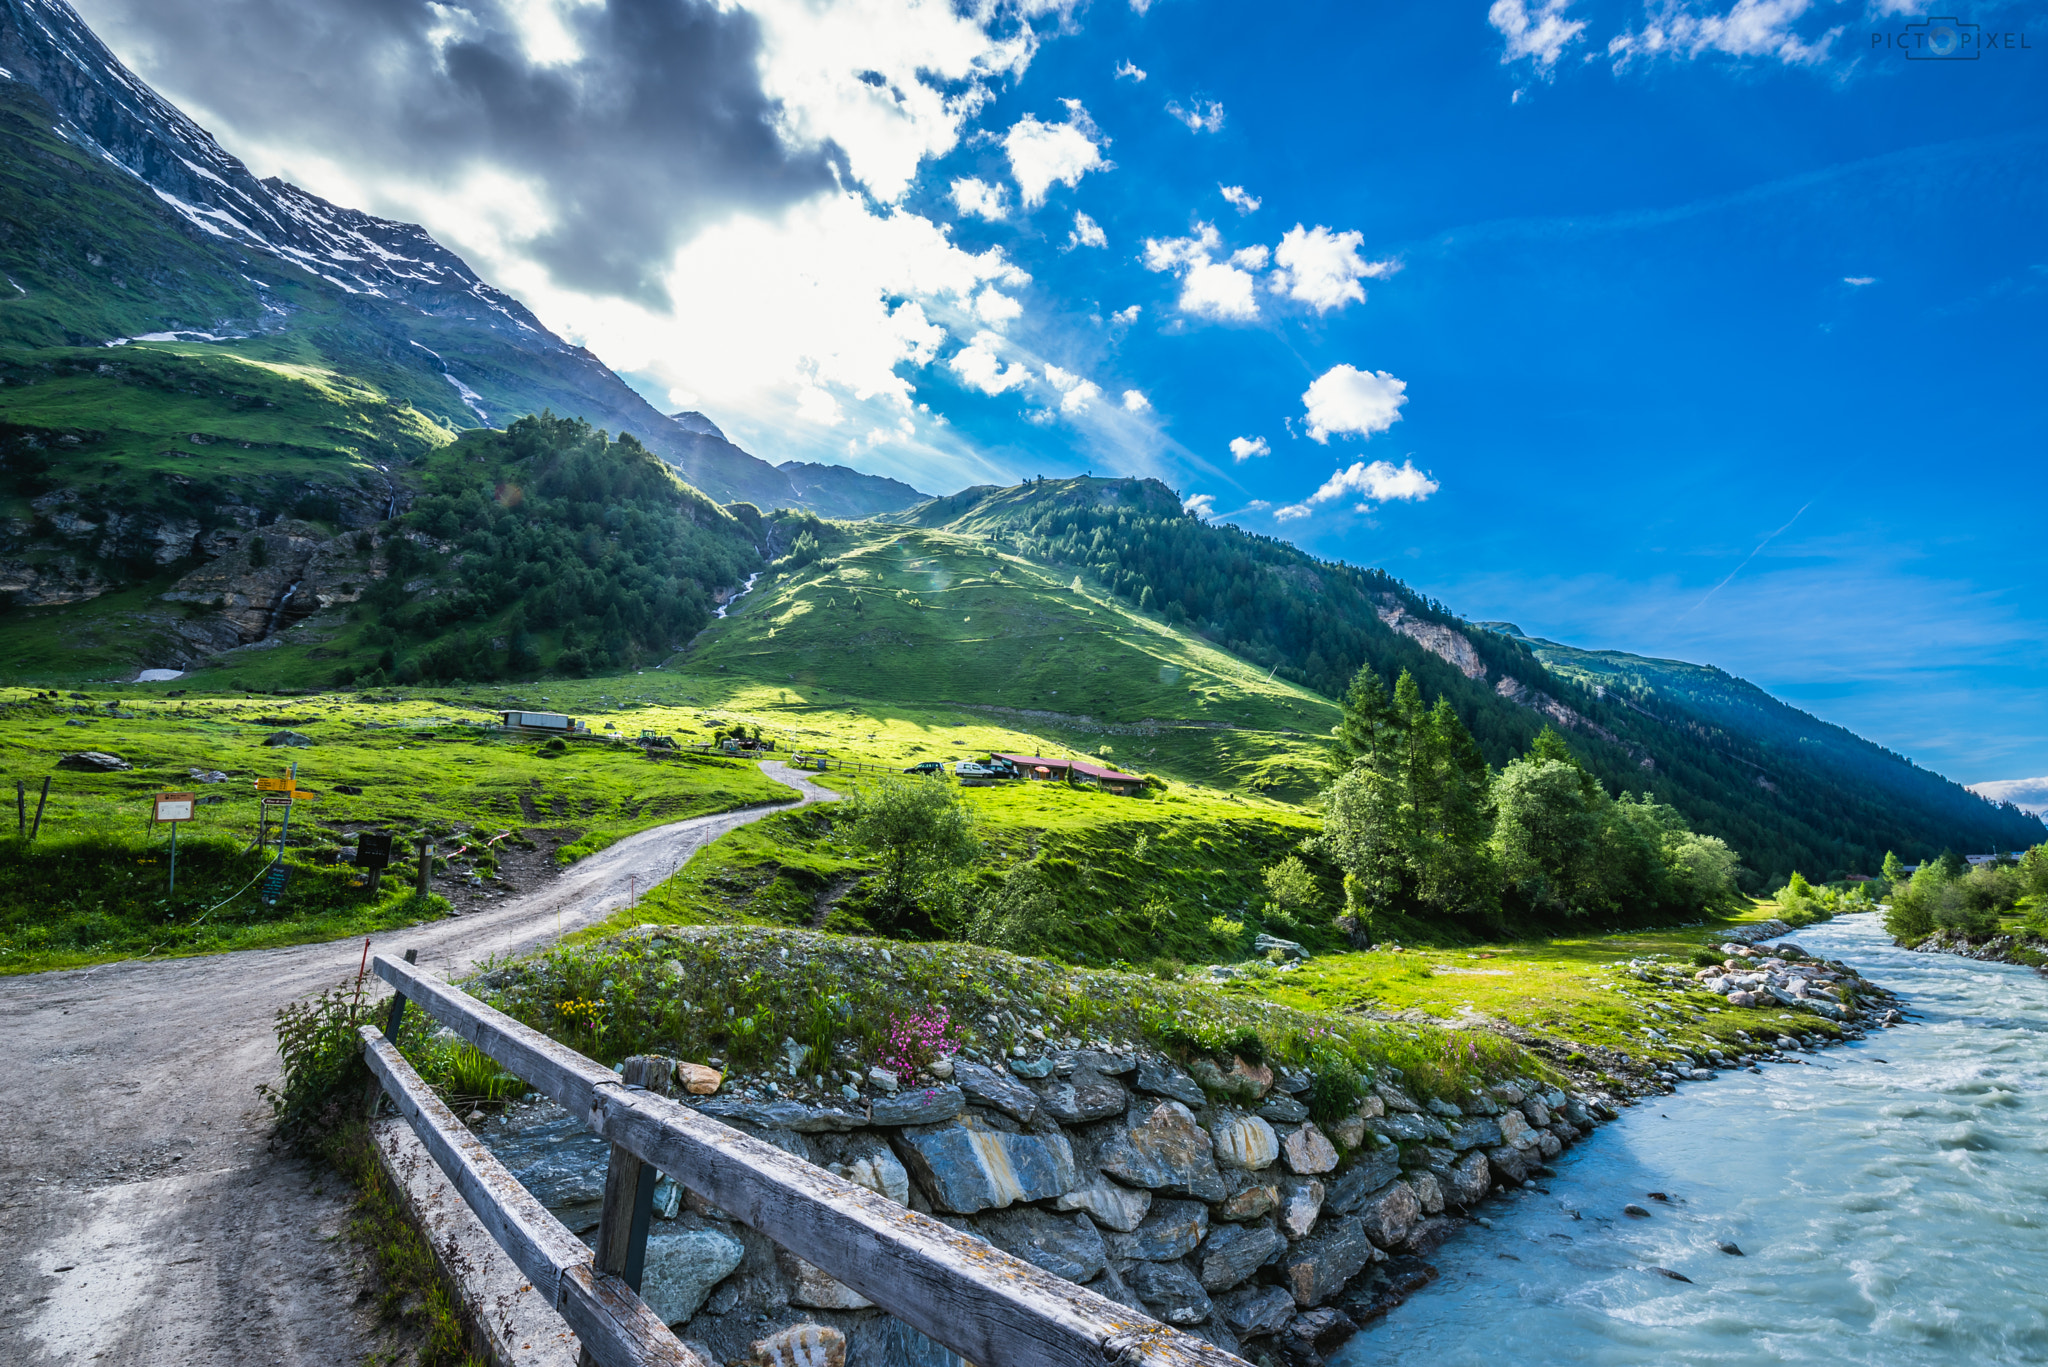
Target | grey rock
(1161,1078)
(1428,1191)
(1097,1060)
(1349,1132)
(987,1087)
(1232,1253)
(1308,1152)
(1469,1181)
(784,1115)
(878,1171)
(1480,1132)
(1482,1104)
(1313,1333)
(1291,1082)
(1400,1125)
(1510,1162)
(1173,1230)
(1389,1213)
(1086,1095)
(1395,1098)
(1266,944)
(668,1198)
(1428,1235)
(1318,1267)
(560,1161)
(1283,1110)
(884,1078)
(1300,1202)
(816,1289)
(1367,1173)
(683,1265)
(1161,1150)
(1548,1144)
(885,1341)
(1514,1129)
(1251,1195)
(925,1106)
(1438,1106)
(967,1165)
(1170,1292)
(1509,1093)
(291,738)
(1068,1246)
(94,762)
(1111,1286)
(1537,1113)
(1031,1067)
(1255,1310)
(1243,1141)
(1109,1204)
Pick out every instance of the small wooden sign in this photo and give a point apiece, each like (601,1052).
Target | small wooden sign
(373,850)
(176,806)
(275,880)
(276,785)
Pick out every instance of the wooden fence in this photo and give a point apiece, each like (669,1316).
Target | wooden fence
(992,1309)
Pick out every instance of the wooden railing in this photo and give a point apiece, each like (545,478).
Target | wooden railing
(990,1308)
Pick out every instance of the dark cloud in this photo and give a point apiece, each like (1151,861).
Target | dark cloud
(658,126)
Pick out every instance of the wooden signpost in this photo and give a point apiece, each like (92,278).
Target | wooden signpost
(373,854)
(281,793)
(176,808)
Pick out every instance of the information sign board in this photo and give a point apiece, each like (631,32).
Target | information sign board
(373,850)
(176,806)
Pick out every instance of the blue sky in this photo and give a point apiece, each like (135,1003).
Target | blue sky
(1700,330)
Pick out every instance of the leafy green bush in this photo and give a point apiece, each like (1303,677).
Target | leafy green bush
(320,1048)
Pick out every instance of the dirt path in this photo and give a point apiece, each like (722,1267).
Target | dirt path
(143,1218)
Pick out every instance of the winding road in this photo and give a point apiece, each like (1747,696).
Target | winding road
(144,1216)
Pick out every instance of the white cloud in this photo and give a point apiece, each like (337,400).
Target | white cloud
(1130,71)
(1126,316)
(976,198)
(1087,233)
(1209,288)
(1201,505)
(1203,116)
(1344,399)
(995,308)
(1243,199)
(1041,153)
(1751,28)
(1075,393)
(1322,269)
(2027,794)
(1859,281)
(1541,36)
(1138,7)
(1136,402)
(1250,258)
(1244,448)
(1257,505)
(979,366)
(1377,483)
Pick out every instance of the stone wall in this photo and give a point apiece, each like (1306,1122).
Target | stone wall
(1205,1197)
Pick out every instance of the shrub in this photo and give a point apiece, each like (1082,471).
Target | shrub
(321,1049)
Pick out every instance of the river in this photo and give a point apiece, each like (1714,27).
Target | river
(1888,1197)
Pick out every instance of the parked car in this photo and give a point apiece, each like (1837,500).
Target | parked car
(930,766)
(967,768)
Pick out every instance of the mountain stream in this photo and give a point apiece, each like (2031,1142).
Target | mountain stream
(1887,1196)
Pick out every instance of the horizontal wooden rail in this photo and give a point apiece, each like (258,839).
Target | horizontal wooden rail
(993,1309)
(613,1323)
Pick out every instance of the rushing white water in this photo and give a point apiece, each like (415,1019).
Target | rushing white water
(744,591)
(1888,1196)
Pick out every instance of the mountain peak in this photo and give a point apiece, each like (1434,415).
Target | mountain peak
(690,420)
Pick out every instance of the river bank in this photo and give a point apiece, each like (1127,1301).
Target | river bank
(1883,1197)
(2027,951)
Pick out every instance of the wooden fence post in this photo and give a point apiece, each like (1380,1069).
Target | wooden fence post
(629,1184)
(21,807)
(37,828)
(375,1093)
(423,876)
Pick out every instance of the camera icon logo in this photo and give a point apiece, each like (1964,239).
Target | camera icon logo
(1942,39)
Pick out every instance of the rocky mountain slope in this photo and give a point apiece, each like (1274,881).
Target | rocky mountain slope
(123,220)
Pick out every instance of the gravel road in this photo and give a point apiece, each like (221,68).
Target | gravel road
(144,1217)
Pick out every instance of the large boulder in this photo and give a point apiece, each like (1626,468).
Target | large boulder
(1510,1163)
(1389,1213)
(1170,1292)
(683,1263)
(94,762)
(1161,1078)
(1367,1173)
(1469,1180)
(1243,1141)
(1083,1096)
(924,1106)
(1108,1203)
(1514,1129)
(1301,1204)
(998,1091)
(1318,1267)
(1479,1132)
(1251,1195)
(1308,1152)
(1170,1232)
(968,1165)
(783,1115)
(1161,1149)
(1067,1246)
(1232,1253)
(1254,1310)
(1429,1191)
